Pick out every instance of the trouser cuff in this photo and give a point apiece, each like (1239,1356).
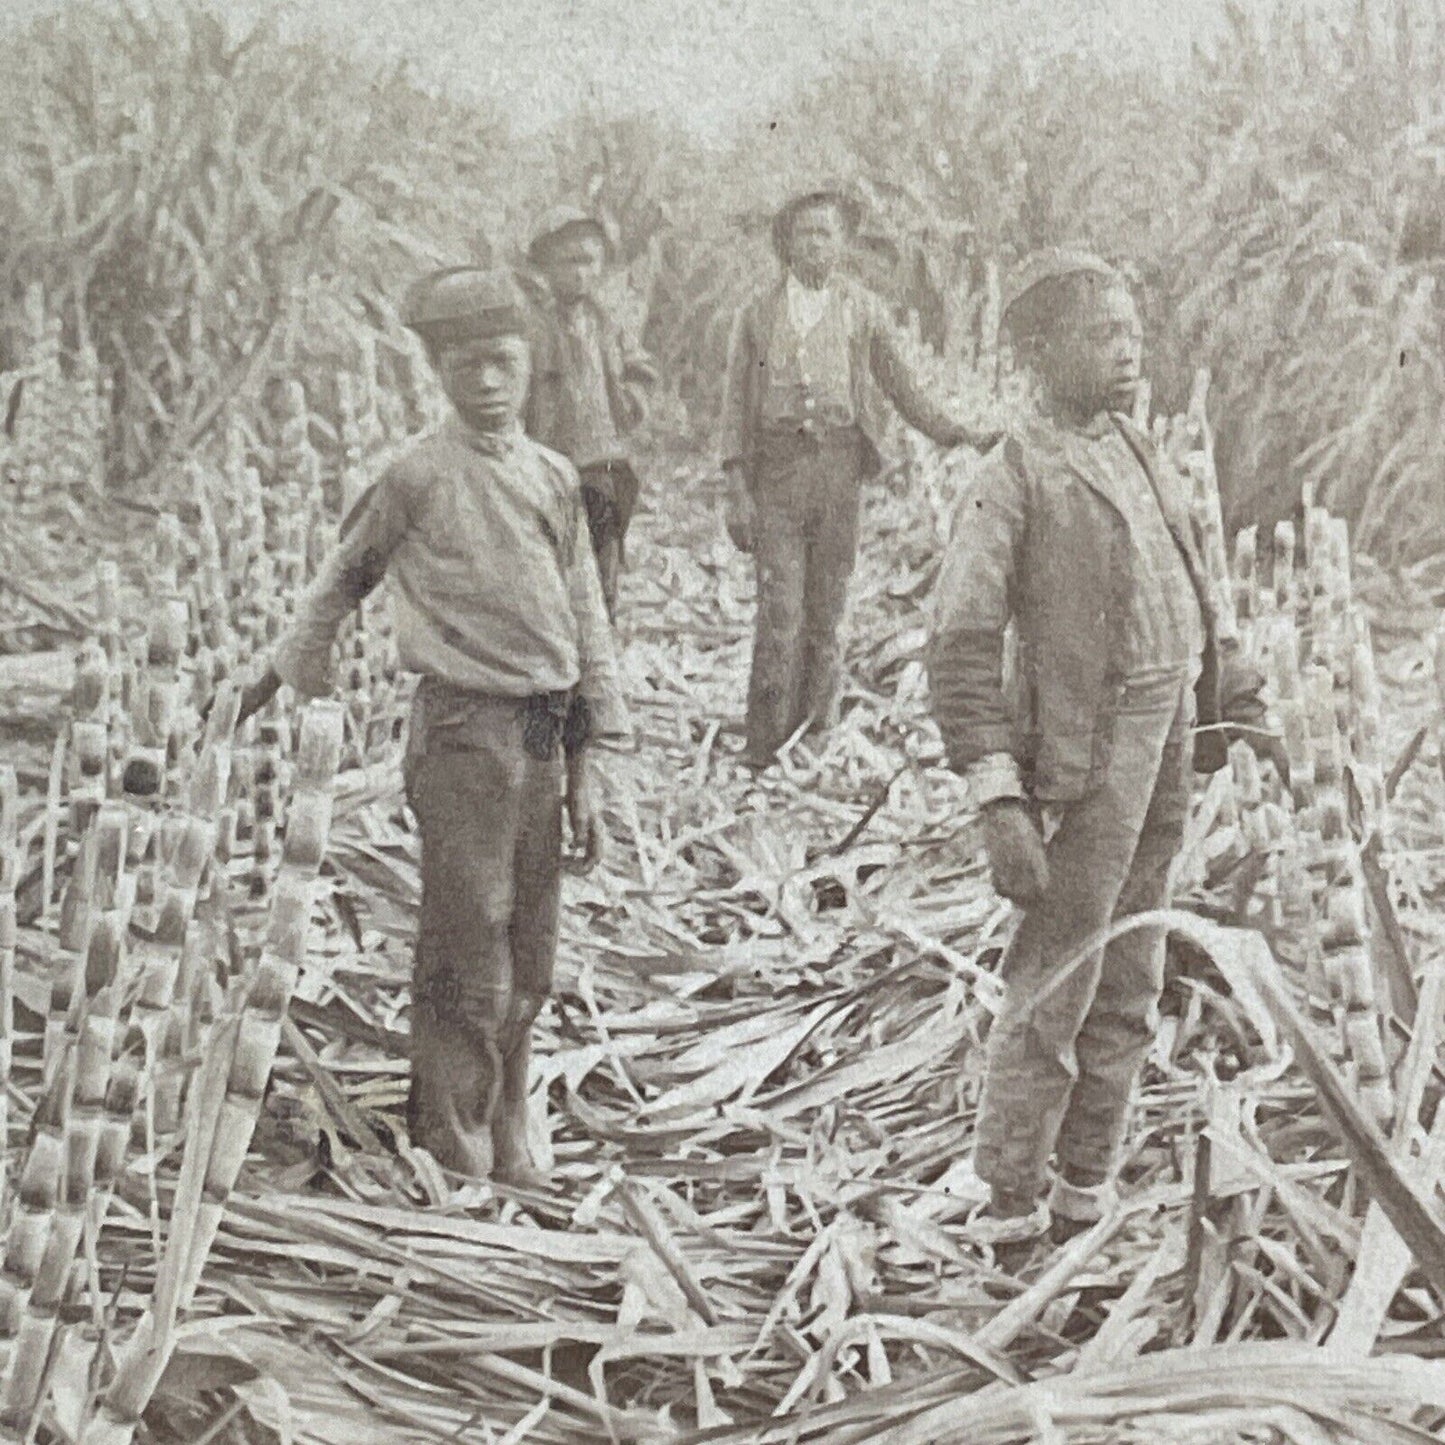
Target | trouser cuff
(1013,1202)
(1081,1203)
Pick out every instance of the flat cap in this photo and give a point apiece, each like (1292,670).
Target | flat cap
(465,303)
(559,219)
(1051,264)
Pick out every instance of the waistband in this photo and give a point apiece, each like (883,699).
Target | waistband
(440,697)
(821,416)
(549,720)
(807,434)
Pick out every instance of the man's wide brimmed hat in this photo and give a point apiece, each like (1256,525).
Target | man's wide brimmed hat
(557,221)
(1052,264)
(848,206)
(465,303)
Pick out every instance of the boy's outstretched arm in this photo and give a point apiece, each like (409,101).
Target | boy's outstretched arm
(733,421)
(733,442)
(370,533)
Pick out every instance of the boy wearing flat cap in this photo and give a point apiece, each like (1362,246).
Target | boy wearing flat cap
(798,438)
(498,608)
(1074,532)
(590,382)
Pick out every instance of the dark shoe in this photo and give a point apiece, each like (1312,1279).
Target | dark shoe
(1062,1231)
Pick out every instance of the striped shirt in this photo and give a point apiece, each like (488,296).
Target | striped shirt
(1166,627)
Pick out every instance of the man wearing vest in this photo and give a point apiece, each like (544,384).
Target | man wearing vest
(1074,532)
(799,436)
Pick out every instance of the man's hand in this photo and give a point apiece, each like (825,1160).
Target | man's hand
(981,441)
(1015,849)
(738,511)
(584,813)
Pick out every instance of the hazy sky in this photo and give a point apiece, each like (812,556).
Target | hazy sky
(711,60)
(711,63)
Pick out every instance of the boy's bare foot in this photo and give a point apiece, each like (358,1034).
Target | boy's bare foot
(513,1167)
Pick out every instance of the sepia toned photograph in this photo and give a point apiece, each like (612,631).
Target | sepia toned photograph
(722,724)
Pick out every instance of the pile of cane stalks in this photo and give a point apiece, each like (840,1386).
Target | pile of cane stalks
(756,1085)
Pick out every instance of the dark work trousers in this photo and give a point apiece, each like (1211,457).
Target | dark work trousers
(609,494)
(806,495)
(1065,1051)
(490,816)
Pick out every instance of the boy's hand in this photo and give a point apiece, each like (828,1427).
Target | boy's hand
(255,695)
(1245,715)
(584,813)
(634,405)
(738,511)
(1015,849)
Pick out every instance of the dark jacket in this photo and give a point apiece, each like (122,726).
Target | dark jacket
(876,364)
(1040,542)
(629,373)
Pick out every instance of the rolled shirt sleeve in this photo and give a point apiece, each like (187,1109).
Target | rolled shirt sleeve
(993,777)
(370,534)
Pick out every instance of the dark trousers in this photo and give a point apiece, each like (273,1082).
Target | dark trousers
(609,493)
(490,816)
(806,495)
(1065,1050)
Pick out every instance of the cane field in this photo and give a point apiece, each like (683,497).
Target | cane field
(755,1086)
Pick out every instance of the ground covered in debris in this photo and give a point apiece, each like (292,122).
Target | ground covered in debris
(755,1091)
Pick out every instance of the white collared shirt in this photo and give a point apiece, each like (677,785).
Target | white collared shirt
(806,304)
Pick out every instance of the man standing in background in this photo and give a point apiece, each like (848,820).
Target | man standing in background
(590,382)
(799,436)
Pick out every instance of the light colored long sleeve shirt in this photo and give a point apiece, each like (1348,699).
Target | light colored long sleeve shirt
(484,541)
